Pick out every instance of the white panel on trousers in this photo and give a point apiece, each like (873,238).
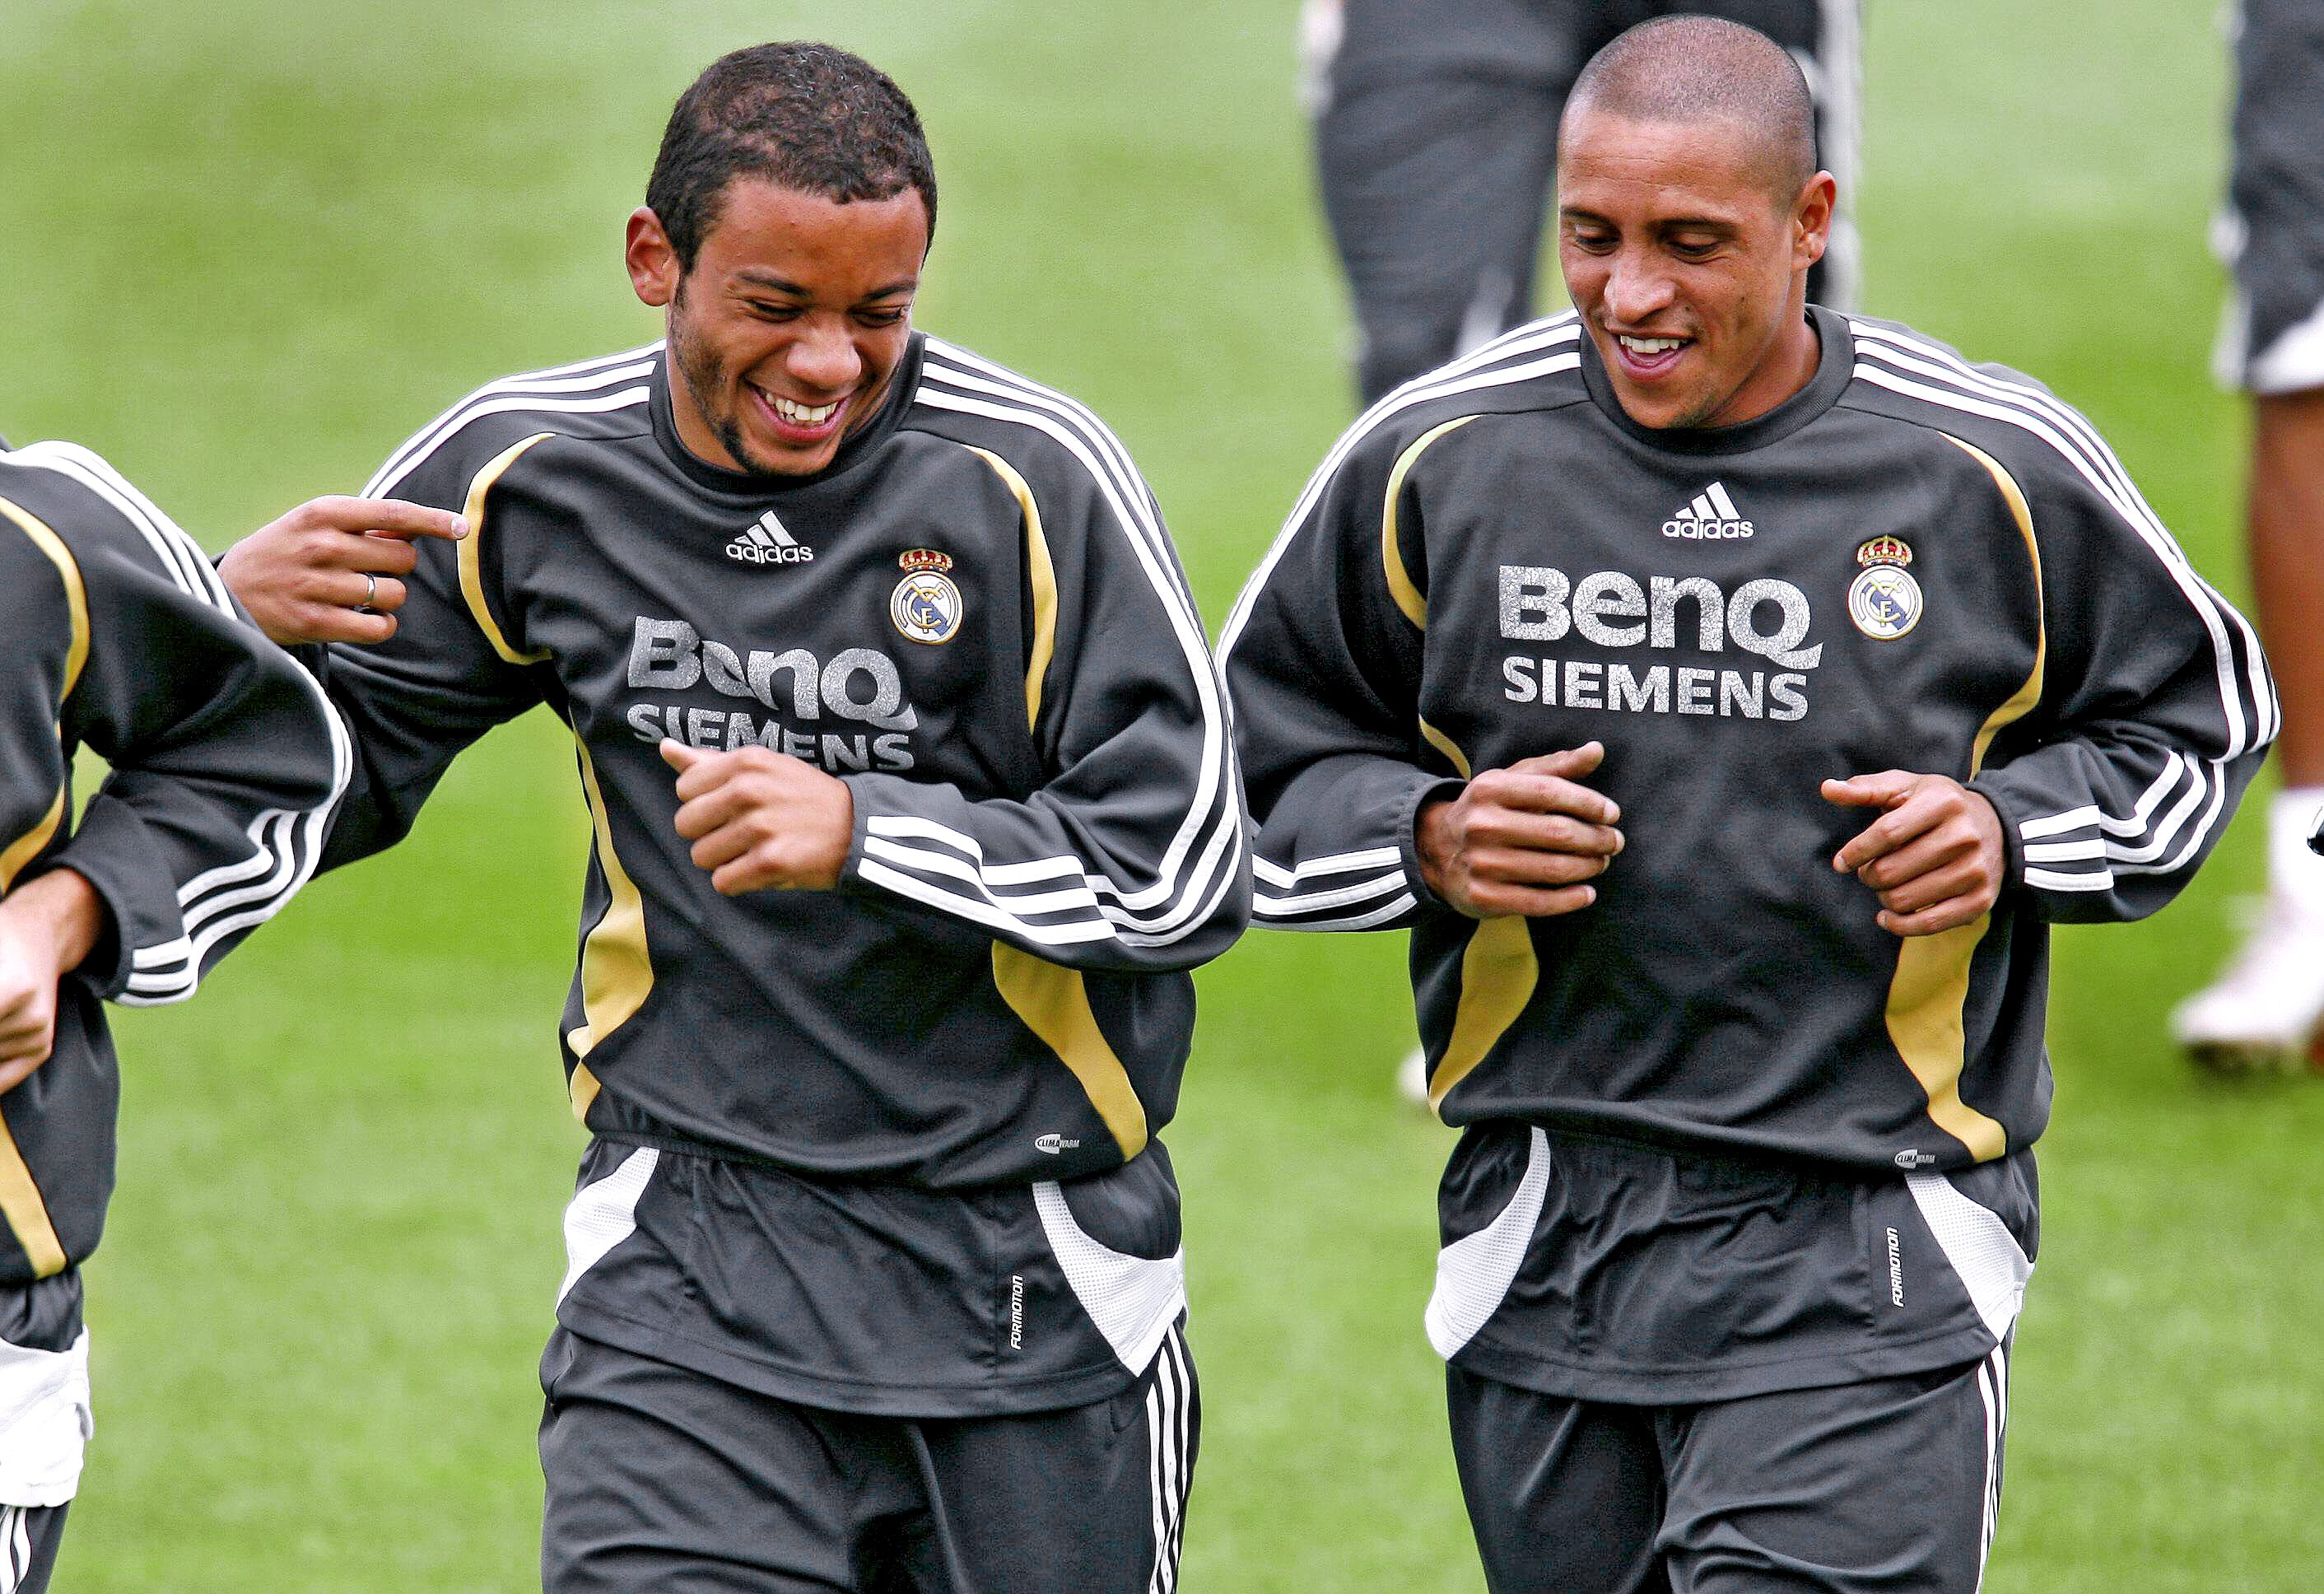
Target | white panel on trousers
(1993,1266)
(45,1422)
(1474,1273)
(603,1214)
(1133,1300)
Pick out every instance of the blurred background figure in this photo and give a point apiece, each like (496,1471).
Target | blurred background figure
(2262,1013)
(1435,125)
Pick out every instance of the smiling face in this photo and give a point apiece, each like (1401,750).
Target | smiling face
(784,335)
(1688,256)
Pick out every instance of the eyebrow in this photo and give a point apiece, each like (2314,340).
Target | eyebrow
(768,280)
(1669,224)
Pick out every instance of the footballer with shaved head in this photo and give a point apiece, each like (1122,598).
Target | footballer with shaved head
(1435,141)
(913,800)
(1728,693)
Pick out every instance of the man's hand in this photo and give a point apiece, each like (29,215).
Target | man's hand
(759,819)
(1521,839)
(1935,855)
(46,926)
(329,570)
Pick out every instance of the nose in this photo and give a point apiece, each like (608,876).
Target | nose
(1637,288)
(824,357)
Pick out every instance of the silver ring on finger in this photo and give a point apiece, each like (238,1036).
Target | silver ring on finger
(371,591)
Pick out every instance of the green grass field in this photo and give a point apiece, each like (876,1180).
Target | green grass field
(248,253)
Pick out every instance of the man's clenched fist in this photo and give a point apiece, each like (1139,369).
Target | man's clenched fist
(1934,855)
(46,926)
(1524,840)
(757,819)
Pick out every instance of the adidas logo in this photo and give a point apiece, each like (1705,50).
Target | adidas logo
(1712,514)
(765,542)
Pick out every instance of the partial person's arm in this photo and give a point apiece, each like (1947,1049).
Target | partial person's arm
(1366,815)
(225,760)
(51,921)
(2156,708)
(1325,667)
(47,927)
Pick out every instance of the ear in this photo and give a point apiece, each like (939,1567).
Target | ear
(1811,219)
(652,263)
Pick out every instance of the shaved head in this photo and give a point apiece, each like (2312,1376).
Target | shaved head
(1689,69)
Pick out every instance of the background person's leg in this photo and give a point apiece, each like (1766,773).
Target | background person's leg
(2263,1012)
(1824,36)
(1434,187)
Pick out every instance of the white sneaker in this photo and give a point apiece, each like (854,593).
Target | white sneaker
(2263,1014)
(1411,1077)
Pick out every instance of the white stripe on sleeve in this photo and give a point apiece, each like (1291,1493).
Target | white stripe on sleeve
(580,377)
(1175,902)
(1476,372)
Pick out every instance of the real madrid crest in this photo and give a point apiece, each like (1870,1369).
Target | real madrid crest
(925,606)
(1884,600)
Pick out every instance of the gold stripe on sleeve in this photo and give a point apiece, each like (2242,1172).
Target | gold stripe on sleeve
(616,969)
(1052,1000)
(21,1201)
(472,577)
(1399,580)
(1042,575)
(2022,702)
(27,1214)
(1445,744)
(582,1088)
(1499,973)
(1054,1003)
(1931,990)
(27,847)
(76,593)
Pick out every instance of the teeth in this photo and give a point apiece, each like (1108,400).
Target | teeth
(801,414)
(1648,346)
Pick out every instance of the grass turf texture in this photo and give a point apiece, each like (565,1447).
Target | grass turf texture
(252,247)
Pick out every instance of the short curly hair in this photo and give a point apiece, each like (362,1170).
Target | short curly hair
(807,116)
